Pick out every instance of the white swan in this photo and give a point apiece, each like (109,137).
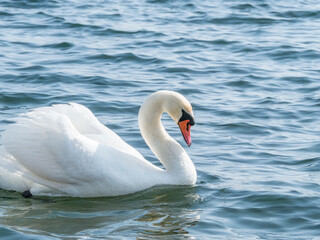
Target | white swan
(63,150)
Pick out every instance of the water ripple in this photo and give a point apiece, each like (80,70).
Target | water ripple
(250,70)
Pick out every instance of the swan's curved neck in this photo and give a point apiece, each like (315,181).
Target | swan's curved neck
(170,153)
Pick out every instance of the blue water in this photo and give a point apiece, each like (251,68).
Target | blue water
(251,70)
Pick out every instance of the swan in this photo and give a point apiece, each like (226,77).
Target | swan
(63,150)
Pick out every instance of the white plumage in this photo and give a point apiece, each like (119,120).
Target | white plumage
(65,150)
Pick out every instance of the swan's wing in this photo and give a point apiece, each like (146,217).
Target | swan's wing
(87,124)
(80,116)
(48,145)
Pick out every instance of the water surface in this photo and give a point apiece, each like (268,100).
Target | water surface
(249,68)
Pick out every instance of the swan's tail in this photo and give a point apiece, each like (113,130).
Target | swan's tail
(45,150)
(35,140)
(12,173)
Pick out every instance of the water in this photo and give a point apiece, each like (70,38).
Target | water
(251,71)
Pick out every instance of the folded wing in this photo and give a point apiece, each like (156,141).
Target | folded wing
(58,146)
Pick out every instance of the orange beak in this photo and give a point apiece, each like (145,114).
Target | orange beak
(185,128)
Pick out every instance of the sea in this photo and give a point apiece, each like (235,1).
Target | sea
(251,70)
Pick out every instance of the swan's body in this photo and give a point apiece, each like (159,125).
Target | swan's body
(65,150)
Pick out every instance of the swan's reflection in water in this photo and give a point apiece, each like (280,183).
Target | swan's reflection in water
(163,212)
(170,215)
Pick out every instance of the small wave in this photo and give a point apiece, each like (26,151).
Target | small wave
(236,20)
(50,18)
(75,25)
(299,14)
(182,70)
(124,57)
(61,45)
(128,32)
(241,84)
(291,55)
(5,14)
(22,97)
(30,4)
(307,164)
(28,25)
(245,128)
(33,68)
(244,6)
(296,80)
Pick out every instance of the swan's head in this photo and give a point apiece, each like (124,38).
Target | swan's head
(179,108)
(176,105)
